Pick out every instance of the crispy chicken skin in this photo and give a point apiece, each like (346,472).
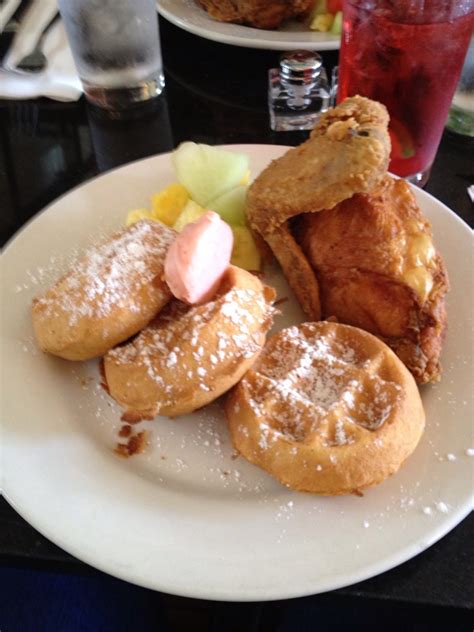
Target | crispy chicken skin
(347,153)
(378,270)
(350,239)
(262,14)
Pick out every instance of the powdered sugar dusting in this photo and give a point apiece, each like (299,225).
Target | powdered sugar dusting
(309,383)
(184,338)
(108,275)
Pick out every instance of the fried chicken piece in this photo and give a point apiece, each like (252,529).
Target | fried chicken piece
(347,153)
(261,14)
(361,250)
(378,269)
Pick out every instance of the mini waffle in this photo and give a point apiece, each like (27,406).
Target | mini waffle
(327,408)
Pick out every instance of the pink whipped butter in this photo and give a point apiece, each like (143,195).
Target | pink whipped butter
(198,258)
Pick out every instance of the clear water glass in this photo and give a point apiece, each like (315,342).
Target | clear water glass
(116,49)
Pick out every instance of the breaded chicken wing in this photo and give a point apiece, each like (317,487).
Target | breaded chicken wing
(350,239)
(347,153)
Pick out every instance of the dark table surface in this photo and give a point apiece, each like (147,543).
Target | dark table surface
(214,94)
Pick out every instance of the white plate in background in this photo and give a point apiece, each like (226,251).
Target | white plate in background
(292,35)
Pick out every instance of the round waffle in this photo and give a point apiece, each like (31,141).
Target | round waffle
(327,408)
(189,356)
(108,295)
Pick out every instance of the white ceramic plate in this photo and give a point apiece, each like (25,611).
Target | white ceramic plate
(184,517)
(292,35)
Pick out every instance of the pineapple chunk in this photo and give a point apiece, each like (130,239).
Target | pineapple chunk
(245,253)
(137,214)
(190,213)
(168,203)
(245,178)
(322,22)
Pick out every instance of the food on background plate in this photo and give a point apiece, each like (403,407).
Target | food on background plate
(320,15)
(327,408)
(198,258)
(326,17)
(260,14)
(368,259)
(108,295)
(189,355)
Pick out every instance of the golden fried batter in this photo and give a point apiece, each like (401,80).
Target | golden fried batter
(347,153)
(378,270)
(351,240)
(261,14)
(190,355)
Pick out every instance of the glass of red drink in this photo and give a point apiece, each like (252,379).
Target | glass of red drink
(407,54)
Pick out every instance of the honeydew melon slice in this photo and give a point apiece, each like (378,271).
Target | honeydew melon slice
(207,172)
(231,206)
(336,28)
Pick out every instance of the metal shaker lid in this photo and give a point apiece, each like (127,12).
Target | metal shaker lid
(300,64)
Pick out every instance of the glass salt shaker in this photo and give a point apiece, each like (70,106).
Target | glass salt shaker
(298,91)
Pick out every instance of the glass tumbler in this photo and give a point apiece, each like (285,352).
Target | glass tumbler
(407,54)
(116,49)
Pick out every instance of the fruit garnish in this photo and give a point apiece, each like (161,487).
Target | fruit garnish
(168,203)
(137,214)
(245,253)
(190,213)
(246,178)
(231,206)
(322,22)
(213,179)
(207,172)
(402,141)
(336,28)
